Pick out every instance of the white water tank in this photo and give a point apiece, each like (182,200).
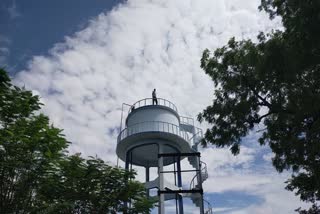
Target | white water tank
(147,126)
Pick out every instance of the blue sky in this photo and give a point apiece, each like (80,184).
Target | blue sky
(34,26)
(85,58)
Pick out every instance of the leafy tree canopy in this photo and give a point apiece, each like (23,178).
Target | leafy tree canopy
(274,82)
(38,176)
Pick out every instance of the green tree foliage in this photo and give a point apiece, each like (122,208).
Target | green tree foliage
(90,186)
(274,82)
(38,176)
(28,146)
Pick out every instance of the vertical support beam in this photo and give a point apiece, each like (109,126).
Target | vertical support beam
(200,184)
(201,204)
(148,179)
(161,181)
(131,160)
(127,161)
(179,184)
(127,169)
(175,171)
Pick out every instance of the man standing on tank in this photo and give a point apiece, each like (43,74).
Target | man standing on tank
(154,97)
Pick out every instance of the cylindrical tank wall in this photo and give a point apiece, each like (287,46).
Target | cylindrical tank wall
(153,113)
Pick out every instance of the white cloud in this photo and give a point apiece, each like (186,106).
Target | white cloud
(268,157)
(123,54)
(276,199)
(241,174)
(140,45)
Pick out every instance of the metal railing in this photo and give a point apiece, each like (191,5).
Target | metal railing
(153,126)
(186,120)
(149,102)
(203,170)
(209,207)
(197,134)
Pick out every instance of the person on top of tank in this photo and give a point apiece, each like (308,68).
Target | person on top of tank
(154,97)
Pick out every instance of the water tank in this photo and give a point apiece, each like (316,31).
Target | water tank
(147,126)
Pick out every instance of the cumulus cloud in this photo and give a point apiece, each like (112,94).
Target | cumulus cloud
(275,199)
(121,55)
(242,174)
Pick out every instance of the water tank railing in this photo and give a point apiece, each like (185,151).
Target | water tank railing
(199,131)
(186,120)
(149,102)
(152,126)
(197,136)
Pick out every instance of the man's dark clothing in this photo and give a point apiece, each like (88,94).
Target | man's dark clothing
(154,98)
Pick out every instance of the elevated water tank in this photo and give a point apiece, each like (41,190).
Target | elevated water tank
(147,126)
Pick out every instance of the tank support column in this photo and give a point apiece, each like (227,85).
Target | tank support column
(127,169)
(180,200)
(161,181)
(199,177)
(148,179)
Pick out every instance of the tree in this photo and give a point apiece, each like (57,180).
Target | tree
(91,186)
(28,146)
(38,176)
(275,83)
